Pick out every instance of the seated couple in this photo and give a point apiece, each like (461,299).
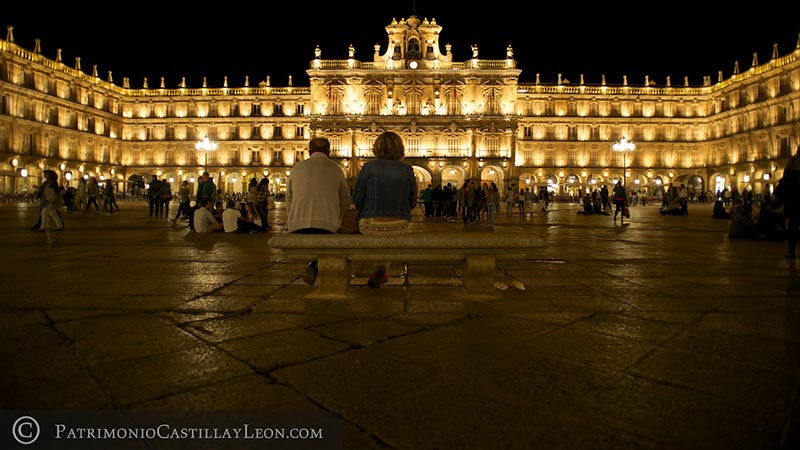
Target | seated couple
(245,219)
(233,220)
(592,206)
(675,208)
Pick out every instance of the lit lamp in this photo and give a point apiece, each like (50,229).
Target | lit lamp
(206,146)
(624,146)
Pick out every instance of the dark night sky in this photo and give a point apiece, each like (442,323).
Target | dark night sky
(259,39)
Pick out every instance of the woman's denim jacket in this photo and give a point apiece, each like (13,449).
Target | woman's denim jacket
(386,188)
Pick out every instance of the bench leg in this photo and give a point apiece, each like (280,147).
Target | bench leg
(334,275)
(479,275)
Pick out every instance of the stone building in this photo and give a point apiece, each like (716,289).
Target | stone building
(459,120)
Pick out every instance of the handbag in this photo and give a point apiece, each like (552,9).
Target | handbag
(350,222)
(626,213)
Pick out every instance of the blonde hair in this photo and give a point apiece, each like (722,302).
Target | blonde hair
(389,145)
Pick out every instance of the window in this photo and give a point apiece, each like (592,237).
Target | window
(412,146)
(300,132)
(368,150)
(453,145)
(300,109)
(277,110)
(255,157)
(336,143)
(492,145)
(413,49)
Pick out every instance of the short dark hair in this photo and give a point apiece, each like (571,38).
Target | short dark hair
(319,144)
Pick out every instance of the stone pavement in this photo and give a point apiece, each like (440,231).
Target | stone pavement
(659,334)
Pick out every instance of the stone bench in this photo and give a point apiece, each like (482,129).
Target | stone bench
(335,253)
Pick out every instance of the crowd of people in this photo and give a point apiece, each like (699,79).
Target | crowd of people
(385,195)
(770,217)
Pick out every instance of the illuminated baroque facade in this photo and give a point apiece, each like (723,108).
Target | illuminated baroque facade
(459,120)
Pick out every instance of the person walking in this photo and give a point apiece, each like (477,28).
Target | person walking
(184,200)
(264,201)
(787,192)
(385,195)
(92,192)
(51,201)
(317,196)
(683,198)
(509,201)
(80,197)
(492,202)
(165,198)
(110,197)
(154,196)
(604,198)
(620,201)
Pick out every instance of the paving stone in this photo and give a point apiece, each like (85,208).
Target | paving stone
(148,378)
(284,348)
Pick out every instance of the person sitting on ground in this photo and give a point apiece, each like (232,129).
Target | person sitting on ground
(719,211)
(742,225)
(253,219)
(588,208)
(675,208)
(219,208)
(770,223)
(231,218)
(204,221)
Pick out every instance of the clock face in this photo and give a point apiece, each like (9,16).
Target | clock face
(413,64)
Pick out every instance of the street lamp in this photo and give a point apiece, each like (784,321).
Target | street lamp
(206,146)
(624,146)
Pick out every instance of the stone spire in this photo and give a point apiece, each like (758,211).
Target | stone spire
(10,33)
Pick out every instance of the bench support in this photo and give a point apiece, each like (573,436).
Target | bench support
(479,275)
(334,275)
